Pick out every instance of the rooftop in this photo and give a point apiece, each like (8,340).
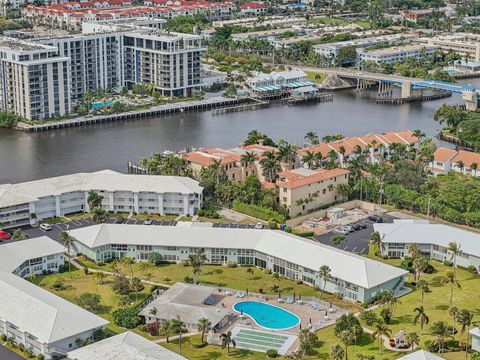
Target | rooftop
(23,46)
(106,180)
(304,252)
(420,355)
(398,49)
(125,346)
(292,179)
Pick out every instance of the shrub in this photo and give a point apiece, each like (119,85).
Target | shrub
(303,233)
(40,357)
(231,264)
(472,269)
(338,296)
(316,287)
(121,285)
(287,229)
(3,337)
(448,263)
(386,315)
(152,328)
(260,291)
(184,263)
(299,282)
(127,318)
(85,270)
(188,279)
(369,317)
(59,285)
(89,301)
(21,347)
(155,258)
(259,212)
(272,353)
(99,263)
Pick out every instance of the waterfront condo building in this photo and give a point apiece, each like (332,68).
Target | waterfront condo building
(465,44)
(460,161)
(43,322)
(28,202)
(303,190)
(34,80)
(355,277)
(393,55)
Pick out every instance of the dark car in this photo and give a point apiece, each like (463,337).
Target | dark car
(362,225)
(375,218)
(356,227)
(119,220)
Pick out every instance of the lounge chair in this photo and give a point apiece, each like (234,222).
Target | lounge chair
(289,300)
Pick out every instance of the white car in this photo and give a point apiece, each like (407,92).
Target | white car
(45,227)
(148,222)
(341,230)
(258,225)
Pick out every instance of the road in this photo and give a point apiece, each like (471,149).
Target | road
(7,354)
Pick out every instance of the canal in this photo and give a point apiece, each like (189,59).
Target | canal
(29,156)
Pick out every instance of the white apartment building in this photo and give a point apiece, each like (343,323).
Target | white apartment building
(289,255)
(465,44)
(395,54)
(34,80)
(432,239)
(460,161)
(28,202)
(45,323)
(331,50)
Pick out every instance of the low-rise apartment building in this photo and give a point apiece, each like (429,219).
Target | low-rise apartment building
(432,239)
(395,54)
(465,44)
(289,255)
(460,161)
(43,322)
(375,146)
(32,201)
(252,8)
(303,190)
(34,80)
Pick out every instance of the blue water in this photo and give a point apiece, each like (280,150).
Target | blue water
(267,316)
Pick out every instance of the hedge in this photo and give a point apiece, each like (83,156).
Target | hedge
(258,212)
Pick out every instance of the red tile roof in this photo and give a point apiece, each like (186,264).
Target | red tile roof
(468,158)
(294,179)
(443,154)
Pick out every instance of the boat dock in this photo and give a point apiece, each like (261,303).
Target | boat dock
(167,109)
(254,104)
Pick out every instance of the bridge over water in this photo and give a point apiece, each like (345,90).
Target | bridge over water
(470,94)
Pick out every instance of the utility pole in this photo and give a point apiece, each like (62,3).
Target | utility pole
(428,207)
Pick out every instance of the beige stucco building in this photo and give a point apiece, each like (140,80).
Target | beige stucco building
(303,190)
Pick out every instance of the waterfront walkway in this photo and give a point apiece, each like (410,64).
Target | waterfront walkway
(198,105)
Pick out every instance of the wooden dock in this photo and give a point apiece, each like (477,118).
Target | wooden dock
(162,110)
(320,97)
(254,104)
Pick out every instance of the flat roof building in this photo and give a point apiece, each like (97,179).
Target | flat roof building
(289,255)
(125,346)
(465,44)
(395,54)
(32,201)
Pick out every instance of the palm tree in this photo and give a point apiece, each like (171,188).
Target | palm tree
(99,215)
(166,330)
(325,274)
(413,251)
(422,285)
(455,249)
(460,165)
(204,325)
(227,340)
(441,331)
(145,268)
(453,312)
(419,134)
(465,319)
(136,285)
(309,158)
(381,330)
(413,339)
(67,241)
(421,317)
(474,167)
(346,337)
(93,199)
(419,265)
(337,352)
(288,154)
(177,327)
(19,234)
(376,240)
(312,138)
(248,158)
(270,166)
(451,279)
(154,311)
(197,260)
(342,151)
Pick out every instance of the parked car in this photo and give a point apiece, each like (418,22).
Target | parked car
(148,222)
(356,227)
(341,230)
(4,235)
(119,220)
(45,227)
(375,218)
(258,225)
(362,225)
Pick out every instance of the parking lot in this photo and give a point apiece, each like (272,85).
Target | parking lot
(234,226)
(357,241)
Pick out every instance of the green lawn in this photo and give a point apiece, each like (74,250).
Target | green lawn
(316,77)
(81,283)
(235,278)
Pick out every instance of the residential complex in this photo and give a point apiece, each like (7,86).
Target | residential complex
(376,146)
(125,346)
(47,77)
(289,255)
(393,55)
(303,190)
(420,355)
(28,202)
(34,80)
(460,161)
(432,239)
(41,321)
(465,44)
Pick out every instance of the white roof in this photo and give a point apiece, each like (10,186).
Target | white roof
(106,180)
(13,254)
(475,332)
(423,232)
(125,346)
(38,312)
(41,313)
(421,355)
(185,301)
(280,75)
(304,252)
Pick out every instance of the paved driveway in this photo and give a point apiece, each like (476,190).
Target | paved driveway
(7,354)
(357,241)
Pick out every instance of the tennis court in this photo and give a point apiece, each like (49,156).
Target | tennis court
(261,340)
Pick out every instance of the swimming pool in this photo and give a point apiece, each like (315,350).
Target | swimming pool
(267,316)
